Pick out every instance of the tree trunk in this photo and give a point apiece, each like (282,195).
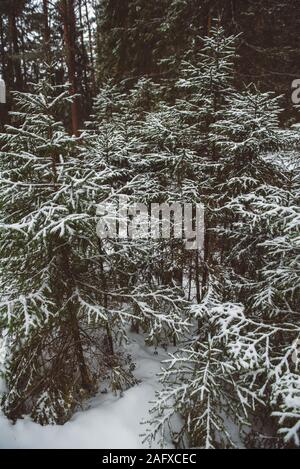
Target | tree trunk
(2,46)
(69,23)
(25,77)
(197,278)
(90,46)
(47,33)
(15,52)
(85,379)
(3,107)
(72,314)
(84,66)
(104,283)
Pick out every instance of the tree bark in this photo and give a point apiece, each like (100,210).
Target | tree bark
(2,46)
(15,51)
(197,278)
(67,8)
(72,314)
(90,45)
(108,331)
(3,107)
(47,33)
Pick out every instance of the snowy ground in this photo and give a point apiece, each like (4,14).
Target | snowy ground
(110,422)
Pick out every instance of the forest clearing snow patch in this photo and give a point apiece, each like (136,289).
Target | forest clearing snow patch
(110,422)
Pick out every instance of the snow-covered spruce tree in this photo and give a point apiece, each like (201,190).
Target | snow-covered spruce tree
(212,387)
(247,178)
(175,149)
(276,295)
(207,76)
(131,269)
(116,120)
(203,398)
(177,132)
(254,210)
(52,308)
(195,386)
(241,358)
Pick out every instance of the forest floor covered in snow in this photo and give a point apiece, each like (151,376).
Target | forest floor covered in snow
(106,422)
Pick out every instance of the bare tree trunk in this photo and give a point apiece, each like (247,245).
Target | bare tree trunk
(14,40)
(47,33)
(2,45)
(23,56)
(69,23)
(90,45)
(3,107)
(84,59)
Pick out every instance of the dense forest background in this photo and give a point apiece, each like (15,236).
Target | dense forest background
(161,101)
(93,41)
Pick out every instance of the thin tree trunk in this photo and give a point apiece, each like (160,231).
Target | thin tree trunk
(85,379)
(2,47)
(13,33)
(108,331)
(47,33)
(3,107)
(69,23)
(206,259)
(197,278)
(190,281)
(90,45)
(24,57)
(84,55)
